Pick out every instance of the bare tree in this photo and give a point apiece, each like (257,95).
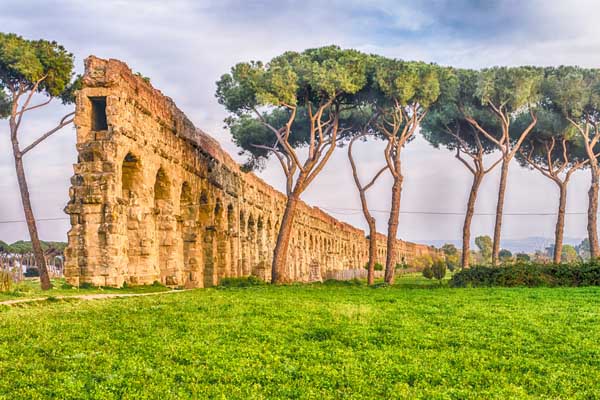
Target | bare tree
(362,190)
(26,69)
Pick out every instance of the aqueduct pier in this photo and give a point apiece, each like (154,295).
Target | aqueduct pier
(153,198)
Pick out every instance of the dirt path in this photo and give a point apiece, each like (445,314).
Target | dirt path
(95,296)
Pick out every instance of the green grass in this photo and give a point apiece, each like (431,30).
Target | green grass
(329,341)
(30,288)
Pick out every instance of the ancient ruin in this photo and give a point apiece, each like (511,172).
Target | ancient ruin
(155,199)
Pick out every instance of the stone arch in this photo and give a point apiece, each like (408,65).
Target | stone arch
(260,242)
(221,254)
(250,245)
(164,228)
(131,176)
(218,214)
(243,240)
(204,208)
(185,198)
(230,219)
(162,187)
(203,199)
(188,234)
(251,228)
(207,222)
(134,229)
(269,232)
(232,239)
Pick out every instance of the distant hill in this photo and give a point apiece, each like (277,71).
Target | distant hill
(523,245)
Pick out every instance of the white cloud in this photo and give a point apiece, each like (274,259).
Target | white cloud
(184,46)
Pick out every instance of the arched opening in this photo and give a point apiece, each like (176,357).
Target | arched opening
(134,230)
(218,212)
(206,225)
(230,219)
(222,243)
(250,245)
(164,227)
(162,187)
(131,174)
(188,235)
(242,260)
(260,242)
(269,234)
(185,200)
(232,241)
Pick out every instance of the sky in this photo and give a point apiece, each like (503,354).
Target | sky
(185,46)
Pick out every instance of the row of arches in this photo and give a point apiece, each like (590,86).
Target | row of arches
(194,240)
(182,230)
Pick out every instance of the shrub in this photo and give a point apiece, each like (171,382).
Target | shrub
(348,282)
(32,272)
(86,285)
(66,285)
(529,274)
(451,264)
(246,281)
(423,261)
(438,269)
(377,266)
(428,272)
(381,285)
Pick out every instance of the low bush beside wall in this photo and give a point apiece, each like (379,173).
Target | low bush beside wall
(529,274)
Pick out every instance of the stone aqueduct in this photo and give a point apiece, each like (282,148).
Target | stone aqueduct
(155,199)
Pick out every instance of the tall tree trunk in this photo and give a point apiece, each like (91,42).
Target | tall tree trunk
(390,260)
(372,251)
(499,211)
(31,225)
(560,221)
(372,236)
(466,241)
(278,267)
(592,224)
(365,209)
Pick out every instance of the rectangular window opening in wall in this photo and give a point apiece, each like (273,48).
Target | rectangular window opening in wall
(99,122)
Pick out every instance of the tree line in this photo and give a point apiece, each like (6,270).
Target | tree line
(300,106)
(33,73)
(21,253)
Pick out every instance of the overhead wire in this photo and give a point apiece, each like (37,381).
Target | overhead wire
(354,211)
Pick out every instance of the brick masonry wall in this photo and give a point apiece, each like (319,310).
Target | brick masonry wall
(153,198)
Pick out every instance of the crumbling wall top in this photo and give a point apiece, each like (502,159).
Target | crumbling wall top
(115,74)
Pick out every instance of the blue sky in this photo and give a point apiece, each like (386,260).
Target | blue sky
(184,46)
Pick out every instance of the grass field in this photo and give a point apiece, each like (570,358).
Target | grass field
(311,342)
(30,289)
